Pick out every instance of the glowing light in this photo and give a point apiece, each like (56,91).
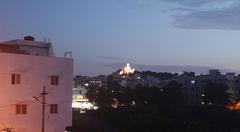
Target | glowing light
(127,70)
(193,82)
(133,103)
(115,103)
(234,107)
(95,107)
(84,105)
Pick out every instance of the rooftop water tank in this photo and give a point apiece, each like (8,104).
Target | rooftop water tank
(29,38)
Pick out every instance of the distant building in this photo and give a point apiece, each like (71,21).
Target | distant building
(84,81)
(80,101)
(214,72)
(81,84)
(233,85)
(127,70)
(26,67)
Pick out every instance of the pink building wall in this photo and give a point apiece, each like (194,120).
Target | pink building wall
(35,73)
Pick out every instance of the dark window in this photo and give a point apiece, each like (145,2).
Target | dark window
(54,80)
(53,108)
(15,78)
(21,108)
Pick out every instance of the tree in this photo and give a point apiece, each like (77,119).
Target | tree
(216,94)
(92,92)
(146,96)
(172,94)
(99,94)
(191,74)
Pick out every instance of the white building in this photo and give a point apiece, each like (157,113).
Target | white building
(26,66)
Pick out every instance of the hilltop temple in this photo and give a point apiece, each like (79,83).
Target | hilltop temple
(127,70)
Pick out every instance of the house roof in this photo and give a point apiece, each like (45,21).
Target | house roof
(24,43)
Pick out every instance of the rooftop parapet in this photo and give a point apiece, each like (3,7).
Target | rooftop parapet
(27,46)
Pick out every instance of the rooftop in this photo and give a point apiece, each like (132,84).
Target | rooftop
(27,46)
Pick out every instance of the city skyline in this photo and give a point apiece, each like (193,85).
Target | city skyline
(150,32)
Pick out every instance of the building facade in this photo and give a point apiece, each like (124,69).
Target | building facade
(23,76)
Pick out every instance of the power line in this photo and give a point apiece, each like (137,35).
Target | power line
(10,105)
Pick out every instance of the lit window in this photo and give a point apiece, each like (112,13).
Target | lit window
(53,108)
(21,109)
(54,80)
(15,78)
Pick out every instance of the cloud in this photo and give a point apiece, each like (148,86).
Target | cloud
(228,19)
(201,14)
(206,14)
(111,58)
(202,3)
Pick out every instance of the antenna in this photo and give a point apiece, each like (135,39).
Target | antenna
(49,41)
(49,47)
(44,39)
(68,53)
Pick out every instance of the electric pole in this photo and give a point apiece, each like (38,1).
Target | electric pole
(43,94)
(43,102)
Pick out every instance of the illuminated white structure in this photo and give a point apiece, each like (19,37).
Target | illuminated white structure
(80,101)
(127,70)
(26,66)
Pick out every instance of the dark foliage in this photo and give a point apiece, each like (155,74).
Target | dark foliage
(161,75)
(216,94)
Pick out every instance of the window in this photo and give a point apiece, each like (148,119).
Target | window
(21,108)
(54,80)
(16,79)
(53,108)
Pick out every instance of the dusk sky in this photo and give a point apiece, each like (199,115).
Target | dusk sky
(149,32)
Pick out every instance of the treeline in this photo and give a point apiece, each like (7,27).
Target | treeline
(160,75)
(150,109)
(113,95)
